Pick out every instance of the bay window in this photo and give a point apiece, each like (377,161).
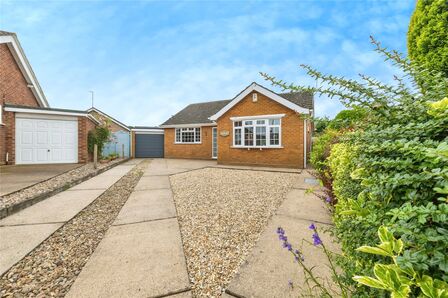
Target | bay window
(259,132)
(188,135)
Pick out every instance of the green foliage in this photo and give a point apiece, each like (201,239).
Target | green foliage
(428,35)
(395,278)
(321,149)
(348,119)
(320,124)
(342,163)
(99,136)
(393,168)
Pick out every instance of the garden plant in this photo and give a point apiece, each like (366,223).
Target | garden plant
(387,168)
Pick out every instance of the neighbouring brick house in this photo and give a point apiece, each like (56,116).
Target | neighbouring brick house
(120,133)
(30,131)
(257,127)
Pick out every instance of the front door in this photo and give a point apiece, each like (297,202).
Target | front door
(214,142)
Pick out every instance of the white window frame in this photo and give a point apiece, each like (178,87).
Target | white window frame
(1,115)
(254,125)
(186,129)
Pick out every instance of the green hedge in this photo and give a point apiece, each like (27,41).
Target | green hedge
(392,170)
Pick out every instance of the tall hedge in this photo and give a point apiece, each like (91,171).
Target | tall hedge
(392,170)
(428,35)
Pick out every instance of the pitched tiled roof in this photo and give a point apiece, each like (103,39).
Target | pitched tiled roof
(5,33)
(302,99)
(200,112)
(197,113)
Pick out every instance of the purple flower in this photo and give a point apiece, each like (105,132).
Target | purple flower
(312,227)
(280,231)
(328,200)
(316,239)
(298,256)
(283,238)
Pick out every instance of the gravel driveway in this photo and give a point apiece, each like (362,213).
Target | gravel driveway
(222,213)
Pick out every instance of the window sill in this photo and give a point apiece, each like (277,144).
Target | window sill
(254,147)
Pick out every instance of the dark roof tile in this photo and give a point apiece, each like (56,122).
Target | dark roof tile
(197,113)
(200,112)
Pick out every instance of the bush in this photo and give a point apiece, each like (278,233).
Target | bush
(397,161)
(348,119)
(320,124)
(428,35)
(99,136)
(321,149)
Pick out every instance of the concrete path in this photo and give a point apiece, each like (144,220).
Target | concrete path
(20,233)
(270,267)
(13,178)
(141,254)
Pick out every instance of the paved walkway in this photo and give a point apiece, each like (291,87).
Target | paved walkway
(141,254)
(270,267)
(20,233)
(13,178)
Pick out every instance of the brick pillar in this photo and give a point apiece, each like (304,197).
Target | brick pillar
(132,144)
(82,140)
(10,136)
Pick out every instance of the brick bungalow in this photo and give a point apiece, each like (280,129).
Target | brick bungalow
(256,127)
(30,131)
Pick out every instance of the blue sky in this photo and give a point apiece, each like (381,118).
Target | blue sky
(146,60)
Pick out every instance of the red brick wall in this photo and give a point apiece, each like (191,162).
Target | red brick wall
(113,127)
(132,144)
(7,138)
(13,90)
(291,155)
(13,86)
(84,126)
(194,151)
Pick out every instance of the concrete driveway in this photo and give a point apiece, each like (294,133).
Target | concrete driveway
(13,178)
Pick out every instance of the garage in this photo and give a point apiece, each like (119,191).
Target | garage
(44,141)
(149,142)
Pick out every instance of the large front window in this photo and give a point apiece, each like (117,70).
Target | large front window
(188,135)
(258,132)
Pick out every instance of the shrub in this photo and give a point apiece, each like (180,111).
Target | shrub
(99,136)
(320,124)
(428,35)
(400,171)
(321,149)
(348,119)
(397,278)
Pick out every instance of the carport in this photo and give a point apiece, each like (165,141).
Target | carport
(148,142)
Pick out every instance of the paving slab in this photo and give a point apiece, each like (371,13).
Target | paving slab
(164,172)
(16,177)
(119,170)
(136,260)
(20,233)
(270,267)
(306,206)
(153,182)
(59,208)
(17,241)
(98,182)
(147,205)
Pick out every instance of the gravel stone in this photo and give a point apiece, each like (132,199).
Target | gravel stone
(221,214)
(52,267)
(51,184)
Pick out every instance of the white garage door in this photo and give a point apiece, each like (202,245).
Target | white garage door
(40,141)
